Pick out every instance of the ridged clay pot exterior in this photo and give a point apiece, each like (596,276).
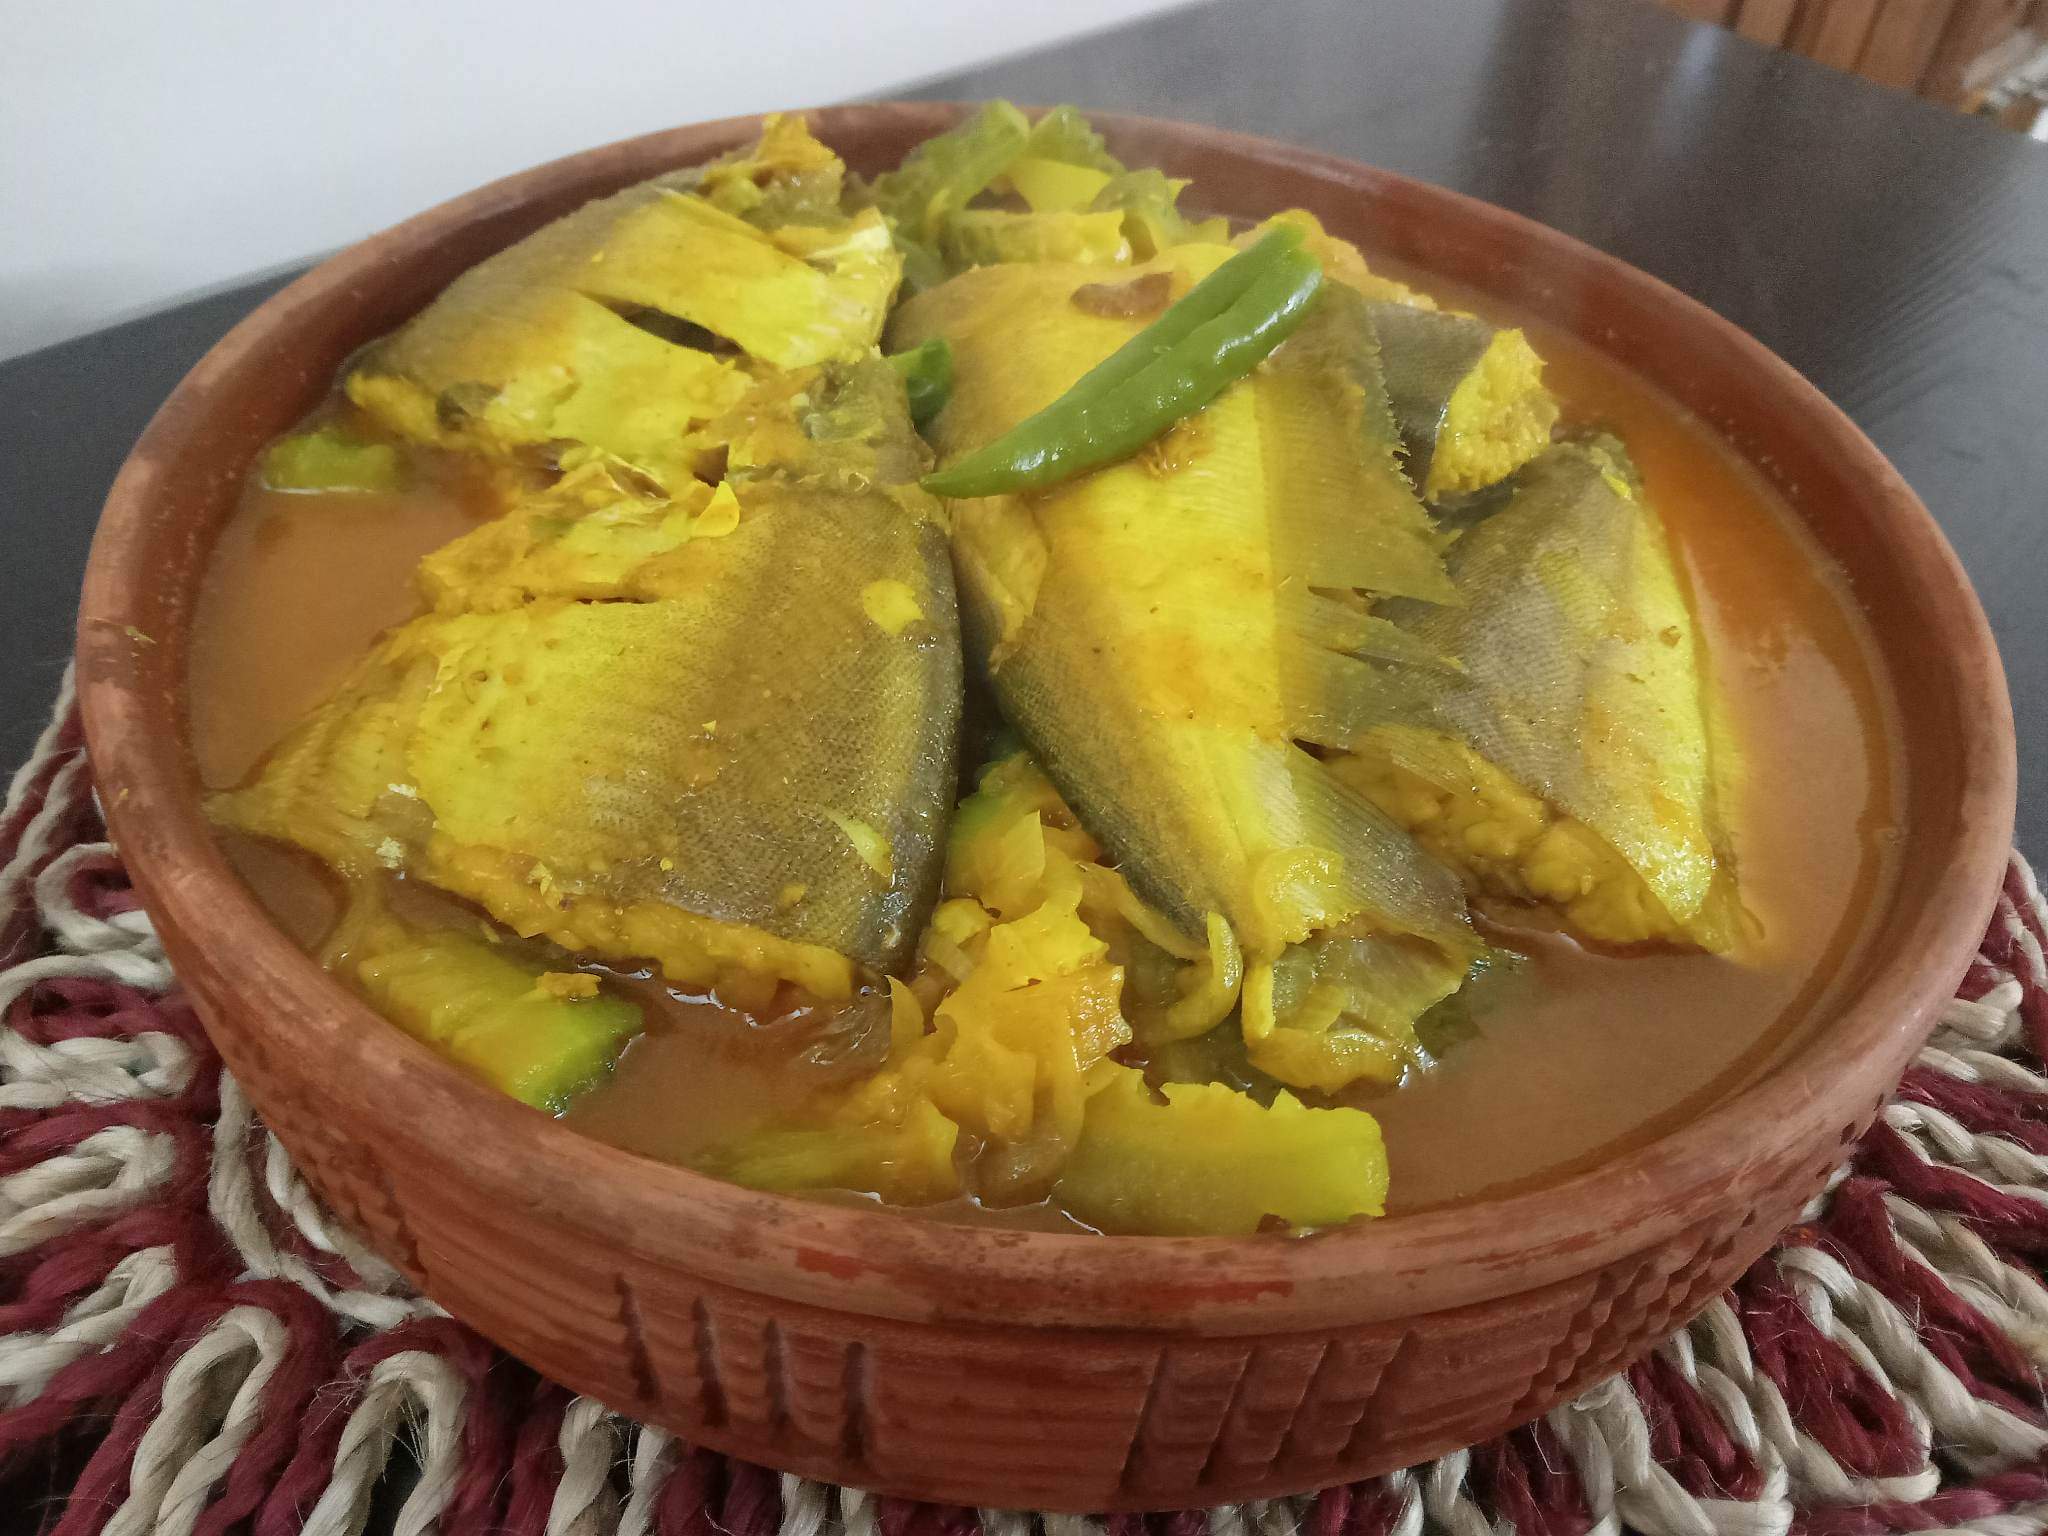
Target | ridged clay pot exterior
(1009,1368)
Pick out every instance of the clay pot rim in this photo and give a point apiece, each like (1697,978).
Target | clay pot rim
(806,1251)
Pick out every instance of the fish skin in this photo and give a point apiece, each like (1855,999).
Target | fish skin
(1584,678)
(697,741)
(632,322)
(1136,622)
(718,729)
(649,718)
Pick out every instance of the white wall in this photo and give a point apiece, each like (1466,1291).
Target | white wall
(151,148)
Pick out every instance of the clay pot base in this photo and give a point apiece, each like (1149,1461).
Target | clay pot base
(1013,1369)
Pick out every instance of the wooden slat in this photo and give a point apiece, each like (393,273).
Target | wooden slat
(1834,33)
(1903,40)
(1767,21)
(1973,26)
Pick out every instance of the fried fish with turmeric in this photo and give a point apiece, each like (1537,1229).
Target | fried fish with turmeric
(714,730)
(1163,634)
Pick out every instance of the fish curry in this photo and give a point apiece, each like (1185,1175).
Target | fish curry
(985,691)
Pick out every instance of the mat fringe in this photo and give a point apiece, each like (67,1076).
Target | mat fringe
(242,1363)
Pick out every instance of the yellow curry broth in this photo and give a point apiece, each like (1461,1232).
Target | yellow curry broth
(300,585)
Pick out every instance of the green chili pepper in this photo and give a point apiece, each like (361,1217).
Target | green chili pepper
(1198,348)
(1205,301)
(927,374)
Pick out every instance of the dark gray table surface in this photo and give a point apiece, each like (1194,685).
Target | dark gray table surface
(1894,253)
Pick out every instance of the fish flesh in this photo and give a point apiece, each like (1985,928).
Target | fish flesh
(1575,763)
(714,729)
(694,697)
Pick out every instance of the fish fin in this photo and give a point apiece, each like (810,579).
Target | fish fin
(1331,699)
(1344,624)
(1343,514)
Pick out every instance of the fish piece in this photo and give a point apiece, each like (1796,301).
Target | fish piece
(1083,205)
(783,177)
(1468,397)
(1574,763)
(844,429)
(629,324)
(666,729)
(978,236)
(1135,625)
(1201,344)
(1148,200)
(592,536)
(505,371)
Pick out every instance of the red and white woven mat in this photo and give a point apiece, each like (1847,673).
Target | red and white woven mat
(183,1324)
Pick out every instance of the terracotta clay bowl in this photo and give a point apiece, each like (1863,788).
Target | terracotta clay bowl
(1006,1368)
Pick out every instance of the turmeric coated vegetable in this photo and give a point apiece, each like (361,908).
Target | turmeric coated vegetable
(1016,1058)
(939,178)
(1204,1160)
(903,1155)
(979,236)
(1151,220)
(1004,1038)
(331,459)
(1194,351)
(539,1035)
(1053,186)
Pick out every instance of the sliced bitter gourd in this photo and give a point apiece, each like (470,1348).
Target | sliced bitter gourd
(537,1034)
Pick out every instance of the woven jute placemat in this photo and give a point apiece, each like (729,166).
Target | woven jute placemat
(202,1349)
